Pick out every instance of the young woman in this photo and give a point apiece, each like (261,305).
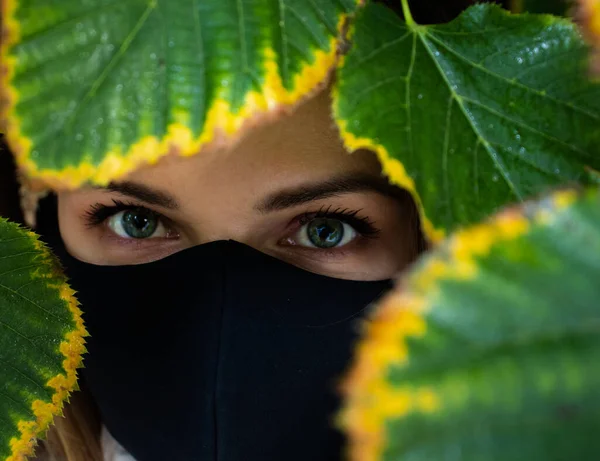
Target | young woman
(223,291)
(223,294)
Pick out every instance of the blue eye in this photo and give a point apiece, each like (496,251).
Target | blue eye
(136,223)
(325,233)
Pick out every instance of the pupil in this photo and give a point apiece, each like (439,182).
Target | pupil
(325,233)
(139,223)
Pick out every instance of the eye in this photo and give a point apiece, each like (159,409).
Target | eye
(324,233)
(137,223)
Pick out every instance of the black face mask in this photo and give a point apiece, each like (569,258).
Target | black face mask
(219,352)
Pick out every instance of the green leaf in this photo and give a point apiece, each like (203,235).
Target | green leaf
(95,88)
(489,109)
(488,349)
(41,340)
(558,7)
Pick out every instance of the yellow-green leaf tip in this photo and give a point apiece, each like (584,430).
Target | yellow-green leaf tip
(72,348)
(370,399)
(223,123)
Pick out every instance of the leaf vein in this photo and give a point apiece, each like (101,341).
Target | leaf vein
(34,303)
(35,346)
(493,154)
(526,126)
(379,50)
(445,179)
(514,82)
(26,376)
(317,40)
(99,81)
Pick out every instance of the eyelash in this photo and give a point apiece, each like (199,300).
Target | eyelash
(362,224)
(98,213)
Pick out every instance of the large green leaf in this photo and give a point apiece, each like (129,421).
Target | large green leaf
(488,109)
(489,349)
(41,340)
(558,7)
(93,88)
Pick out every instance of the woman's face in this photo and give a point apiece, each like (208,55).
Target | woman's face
(288,189)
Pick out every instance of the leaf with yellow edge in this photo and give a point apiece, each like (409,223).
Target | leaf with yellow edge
(93,88)
(488,349)
(488,109)
(41,340)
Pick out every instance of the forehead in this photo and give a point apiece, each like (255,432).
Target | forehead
(299,146)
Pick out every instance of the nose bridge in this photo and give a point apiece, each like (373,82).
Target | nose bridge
(222,219)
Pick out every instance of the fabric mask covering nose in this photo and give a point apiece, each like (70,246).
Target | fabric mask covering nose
(219,352)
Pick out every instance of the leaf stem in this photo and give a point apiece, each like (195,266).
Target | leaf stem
(407,14)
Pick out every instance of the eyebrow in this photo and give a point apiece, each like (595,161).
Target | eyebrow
(144,193)
(280,200)
(288,198)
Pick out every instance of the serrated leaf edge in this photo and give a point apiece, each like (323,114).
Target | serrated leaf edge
(393,168)
(72,348)
(221,122)
(370,399)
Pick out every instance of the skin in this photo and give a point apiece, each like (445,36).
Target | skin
(246,193)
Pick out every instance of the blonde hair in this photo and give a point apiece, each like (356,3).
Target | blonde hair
(74,436)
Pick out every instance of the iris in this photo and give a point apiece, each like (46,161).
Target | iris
(139,223)
(325,232)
